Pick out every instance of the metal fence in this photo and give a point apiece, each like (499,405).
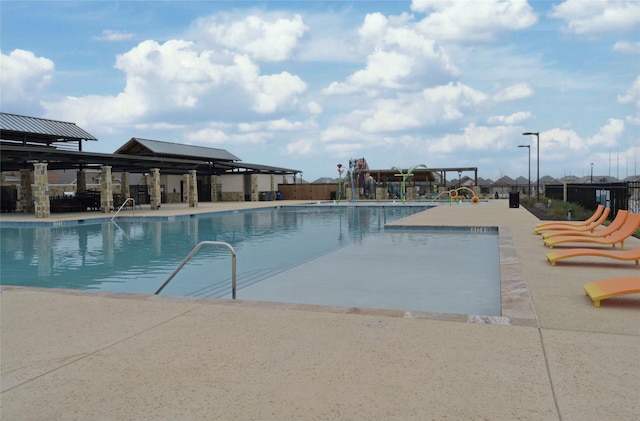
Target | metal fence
(613,195)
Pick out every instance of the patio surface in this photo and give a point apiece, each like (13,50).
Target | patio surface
(100,356)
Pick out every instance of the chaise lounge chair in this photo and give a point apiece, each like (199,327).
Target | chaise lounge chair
(609,288)
(630,225)
(590,220)
(551,232)
(614,226)
(626,255)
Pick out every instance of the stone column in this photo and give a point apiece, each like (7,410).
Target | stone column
(193,189)
(185,188)
(255,194)
(155,188)
(25,197)
(41,190)
(214,188)
(106,189)
(125,186)
(273,187)
(81,181)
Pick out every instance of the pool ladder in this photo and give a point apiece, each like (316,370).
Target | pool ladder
(194,251)
(133,207)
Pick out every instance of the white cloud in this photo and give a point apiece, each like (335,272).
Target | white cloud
(463,20)
(430,107)
(300,147)
(598,17)
(112,35)
(397,55)
(475,138)
(632,96)
(608,135)
(514,118)
(176,76)
(264,38)
(314,108)
(340,132)
(627,47)
(24,76)
(513,92)
(208,135)
(277,91)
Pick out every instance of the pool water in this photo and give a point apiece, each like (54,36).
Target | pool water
(316,255)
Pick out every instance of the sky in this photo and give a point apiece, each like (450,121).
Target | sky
(307,85)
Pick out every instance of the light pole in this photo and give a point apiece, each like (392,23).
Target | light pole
(537,135)
(529,148)
(592,173)
(459,175)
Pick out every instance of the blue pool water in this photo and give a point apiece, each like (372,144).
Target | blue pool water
(298,254)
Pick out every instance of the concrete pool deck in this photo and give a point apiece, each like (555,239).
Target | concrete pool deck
(83,355)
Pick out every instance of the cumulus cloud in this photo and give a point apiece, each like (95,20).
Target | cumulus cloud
(513,92)
(514,118)
(462,20)
(300,147)
(627,47)
(112,35)
(177,76)
(608,134)
(24,76)
(476,138)
(263,38)
(598,17)
(632,96)
(397,55)
(207,135)
(431,106)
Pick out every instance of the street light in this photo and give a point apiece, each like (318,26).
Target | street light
(537,135)
(529,148)
(592,173)
(459,175)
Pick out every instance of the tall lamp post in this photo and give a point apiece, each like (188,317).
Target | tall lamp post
(592,173)
(529,148)
(537,135)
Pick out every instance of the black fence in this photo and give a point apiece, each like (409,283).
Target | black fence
(615,196)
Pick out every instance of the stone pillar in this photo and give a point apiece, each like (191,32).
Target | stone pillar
(81,181)
(214,188)
(185,188)
(273,187)
(106,189)
(125,186)
(41,190)
(193,189)
(155,188)
(411,193)
(255,194)
(25,197)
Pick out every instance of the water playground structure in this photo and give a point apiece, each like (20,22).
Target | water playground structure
(458,196)
(358,182)
(409,173)
(361,179)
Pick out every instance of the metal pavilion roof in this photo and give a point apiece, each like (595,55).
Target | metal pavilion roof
(150,147)
(25,129)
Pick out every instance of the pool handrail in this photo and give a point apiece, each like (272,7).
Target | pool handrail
(194,251)
(133,206)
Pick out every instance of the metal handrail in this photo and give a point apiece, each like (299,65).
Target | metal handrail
(133,207)
(194,251)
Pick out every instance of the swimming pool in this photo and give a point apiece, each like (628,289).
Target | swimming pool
(272,244)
